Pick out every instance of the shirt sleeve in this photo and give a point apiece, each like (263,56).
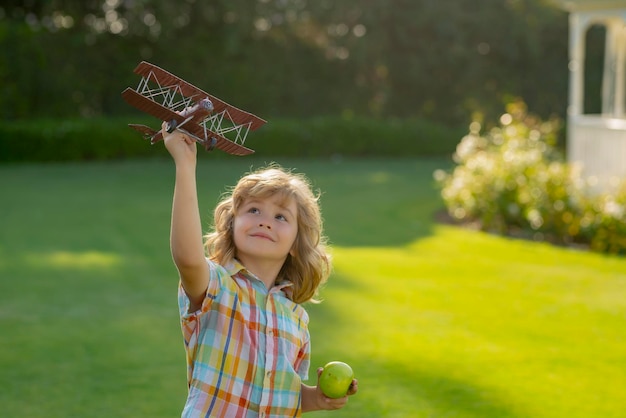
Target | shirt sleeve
(304,360)
(189,320)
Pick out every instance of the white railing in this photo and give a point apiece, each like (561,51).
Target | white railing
(598,145)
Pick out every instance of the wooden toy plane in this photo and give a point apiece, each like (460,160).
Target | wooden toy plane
(203,117)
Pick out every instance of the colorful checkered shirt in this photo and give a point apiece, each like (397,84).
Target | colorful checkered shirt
(247,348)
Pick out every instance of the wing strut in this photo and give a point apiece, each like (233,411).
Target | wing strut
(170,98)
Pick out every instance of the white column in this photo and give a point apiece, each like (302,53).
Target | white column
(619,73)
(609,78)
(576,64)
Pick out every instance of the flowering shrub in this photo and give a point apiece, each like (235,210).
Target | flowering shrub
(513,180)
(606,225)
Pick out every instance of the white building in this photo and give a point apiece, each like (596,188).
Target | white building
(598,141)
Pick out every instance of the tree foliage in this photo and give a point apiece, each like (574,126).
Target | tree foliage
(374,58)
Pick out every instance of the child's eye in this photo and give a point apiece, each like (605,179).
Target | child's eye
(253,210)
(281,217)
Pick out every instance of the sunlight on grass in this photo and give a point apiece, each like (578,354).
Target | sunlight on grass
(73,260)
(380,177)
(463,316)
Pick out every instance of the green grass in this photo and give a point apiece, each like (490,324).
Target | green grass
(437,321)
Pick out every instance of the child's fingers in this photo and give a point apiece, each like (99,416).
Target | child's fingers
(354,387)
(335,403)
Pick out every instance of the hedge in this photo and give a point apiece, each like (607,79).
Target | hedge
(103,139)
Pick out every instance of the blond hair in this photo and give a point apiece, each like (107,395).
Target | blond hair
(308,265)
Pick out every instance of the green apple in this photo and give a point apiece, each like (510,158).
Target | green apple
(336,379)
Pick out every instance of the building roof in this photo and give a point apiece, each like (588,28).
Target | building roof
(582,5)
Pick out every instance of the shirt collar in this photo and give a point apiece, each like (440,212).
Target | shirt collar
(234,267)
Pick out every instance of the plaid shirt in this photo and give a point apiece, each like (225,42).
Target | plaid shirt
(247,348)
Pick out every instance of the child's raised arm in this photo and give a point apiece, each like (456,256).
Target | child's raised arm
(186,231)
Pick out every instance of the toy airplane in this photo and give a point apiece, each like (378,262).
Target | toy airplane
(203,117)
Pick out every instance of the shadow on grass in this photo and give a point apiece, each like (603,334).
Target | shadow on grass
(365,202)
(375,202)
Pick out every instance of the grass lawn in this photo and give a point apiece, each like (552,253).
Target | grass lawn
(436,321)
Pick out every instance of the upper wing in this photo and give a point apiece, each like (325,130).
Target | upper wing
(150,106)
(163,113)
(165,78)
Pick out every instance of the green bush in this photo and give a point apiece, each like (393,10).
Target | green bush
(102,139)
(70,140)
(513,180)
(605,221)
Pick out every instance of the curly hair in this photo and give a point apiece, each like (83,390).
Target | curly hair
(308,265)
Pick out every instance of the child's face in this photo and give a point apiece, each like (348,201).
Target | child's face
(265,229)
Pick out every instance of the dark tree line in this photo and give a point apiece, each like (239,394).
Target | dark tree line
(442,60)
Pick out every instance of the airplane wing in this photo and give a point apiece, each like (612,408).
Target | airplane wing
(165,78)
(148,133)
(201,134)
(150,106)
